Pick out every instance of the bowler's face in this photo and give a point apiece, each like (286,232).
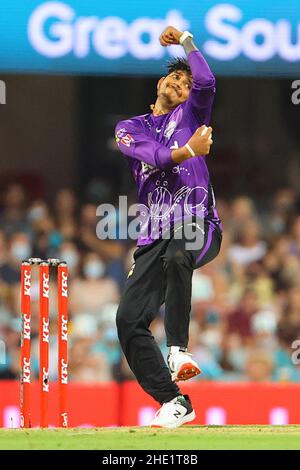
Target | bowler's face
(175,88)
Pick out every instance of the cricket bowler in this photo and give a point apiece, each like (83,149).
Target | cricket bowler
(166,150)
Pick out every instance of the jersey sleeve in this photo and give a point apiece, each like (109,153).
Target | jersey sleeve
(203,90)
(135,143)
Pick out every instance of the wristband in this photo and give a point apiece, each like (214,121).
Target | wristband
(190,150)
(184,36)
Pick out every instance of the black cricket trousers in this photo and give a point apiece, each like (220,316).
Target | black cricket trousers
(162,273)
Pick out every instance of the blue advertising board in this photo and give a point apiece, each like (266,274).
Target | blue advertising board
(238,37)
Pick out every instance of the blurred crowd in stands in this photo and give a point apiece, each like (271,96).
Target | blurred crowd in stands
(245,319)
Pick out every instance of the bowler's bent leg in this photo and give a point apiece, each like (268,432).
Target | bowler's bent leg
(179,264)
(140,302)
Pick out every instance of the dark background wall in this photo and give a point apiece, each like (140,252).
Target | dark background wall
(39,128)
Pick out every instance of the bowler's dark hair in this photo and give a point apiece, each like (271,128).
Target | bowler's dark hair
(179,63)
(174,65)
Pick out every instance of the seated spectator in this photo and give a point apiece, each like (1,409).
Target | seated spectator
(65,213)
(93,290)
(85,365)
(109,346)
(261,282)
(249,247)
(259,366)
(69,253)
(19,249)
(210,367)
(239,321)
(90,240)
(283,206)
(290,318)
(37,211)
(13,213)
(242,209)
(264,326)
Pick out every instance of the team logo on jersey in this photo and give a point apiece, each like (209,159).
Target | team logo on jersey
(127,140)
(169,131)
(146,167)
(147,170)
(123,137)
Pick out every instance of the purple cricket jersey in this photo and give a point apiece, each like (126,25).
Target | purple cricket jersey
(169,192)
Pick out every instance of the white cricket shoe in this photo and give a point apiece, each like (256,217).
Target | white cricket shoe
(174,413)
(181,365)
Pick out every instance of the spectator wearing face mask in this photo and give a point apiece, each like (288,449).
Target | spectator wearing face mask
(70,254)
(36,213)
(47,238)
(93,290)
(110,250)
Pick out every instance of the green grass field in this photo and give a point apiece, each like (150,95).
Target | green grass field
(188,437)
